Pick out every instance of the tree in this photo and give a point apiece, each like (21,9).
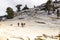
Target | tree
(49,1)
(25,7)
(58,36)
(58,14)
(18,7)
(10,12)
(53,8)
(47,6)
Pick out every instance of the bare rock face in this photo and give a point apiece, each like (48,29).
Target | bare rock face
(2,38)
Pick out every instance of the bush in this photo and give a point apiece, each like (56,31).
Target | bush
(38,38)
(10,13)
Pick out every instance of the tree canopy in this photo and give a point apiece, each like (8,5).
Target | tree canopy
(25,7)
(10,12)
(18,7)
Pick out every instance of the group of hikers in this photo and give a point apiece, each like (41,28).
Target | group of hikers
(18,24)
(22,24)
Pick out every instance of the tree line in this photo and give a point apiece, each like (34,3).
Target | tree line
(48,7)
(51,6)
(10,11)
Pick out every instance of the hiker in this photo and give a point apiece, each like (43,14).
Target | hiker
(22,24)
(18,24)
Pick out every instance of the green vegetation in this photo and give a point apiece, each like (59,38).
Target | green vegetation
(7,39)
(58,36)
(53,8)
(47,6)
(18,7)
(10,13)
(38,38)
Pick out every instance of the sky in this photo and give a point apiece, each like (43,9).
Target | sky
(12,3)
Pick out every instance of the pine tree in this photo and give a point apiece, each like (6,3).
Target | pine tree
(58,14)
(53,8)
(25,7)
(18,7)
(47,6)
(10,12)
(38,38)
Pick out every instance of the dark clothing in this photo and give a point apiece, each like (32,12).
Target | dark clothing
(18,24)
(22,24)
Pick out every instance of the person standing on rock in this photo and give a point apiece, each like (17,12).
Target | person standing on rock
(18,23)
(22,24)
